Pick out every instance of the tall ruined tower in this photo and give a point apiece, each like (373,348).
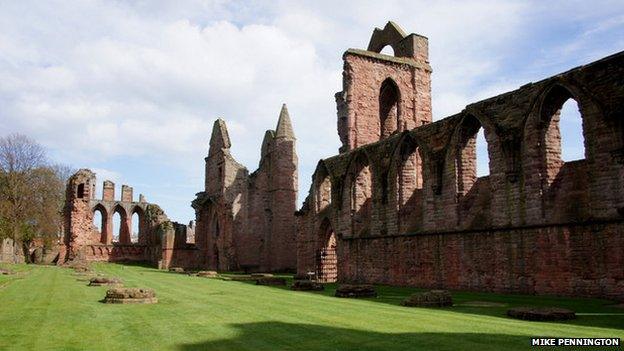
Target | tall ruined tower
(78,216)
(247,221)
(220,204)
(283,191)
(384,94)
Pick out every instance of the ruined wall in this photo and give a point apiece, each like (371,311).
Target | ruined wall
(10,252)
(575,260)
(246,221)
(384,94)
(85,241)
(430,213)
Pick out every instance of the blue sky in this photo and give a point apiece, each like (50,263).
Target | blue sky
(130,89)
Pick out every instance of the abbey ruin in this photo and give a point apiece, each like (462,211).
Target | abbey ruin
(401,203)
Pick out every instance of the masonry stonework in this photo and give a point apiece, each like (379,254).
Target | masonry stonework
(86,242)
(247,221)
(402,204)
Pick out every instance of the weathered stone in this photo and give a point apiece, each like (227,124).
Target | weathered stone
(101,281)
(207,274)
(130,295)
(231,240)
(307,285)
(6,271)
(271,281)
(176,269)
(239,278)
(348,290)
(402,203)
(261,275)
(433,298)
(86,242)
(541,313)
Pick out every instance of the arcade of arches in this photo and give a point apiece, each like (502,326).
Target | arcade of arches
(487,199)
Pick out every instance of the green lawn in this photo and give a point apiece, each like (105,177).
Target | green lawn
(49,308)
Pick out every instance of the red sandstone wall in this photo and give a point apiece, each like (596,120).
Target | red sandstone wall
(364,74)
(528,186)
(584,260)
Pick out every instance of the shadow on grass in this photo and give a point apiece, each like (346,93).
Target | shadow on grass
(600,313)
(288,336)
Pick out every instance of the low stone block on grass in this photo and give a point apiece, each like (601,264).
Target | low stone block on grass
(275,281)
(362,290)
(307,285)
(81,268)
(176,269)
(432,298)
(261,275)
(541,313)
(6,271)
(239,278)
(103,281)
(130,295)
(207,274)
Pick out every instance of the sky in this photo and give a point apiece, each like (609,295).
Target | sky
(130,89)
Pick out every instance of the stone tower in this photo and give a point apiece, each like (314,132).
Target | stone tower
(384,94)
(78,216)
(283,191)
(247,221)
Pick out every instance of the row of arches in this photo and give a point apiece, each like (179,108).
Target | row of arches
(554,136)
(560,103)
(119,226)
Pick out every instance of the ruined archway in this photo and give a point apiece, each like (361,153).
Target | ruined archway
(360,185)
(139,226)
(473,188)
(101,223)
(323,191)
(409,185)
(121,232)
(326,257)
(563,181)
(389,96)
(551,132)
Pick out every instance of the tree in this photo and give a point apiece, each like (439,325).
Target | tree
(31,192)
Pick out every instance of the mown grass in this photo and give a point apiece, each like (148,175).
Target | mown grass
(48,308)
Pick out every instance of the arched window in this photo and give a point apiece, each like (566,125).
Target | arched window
(121,229)
(135,228)
(116,227)
(80,193)
(387,50)
(562,136)
(98,220)
(389,112)
(361,182)
(483,159)
(323,189)
(409,184)
(326,256)
(571,126)
(472,158)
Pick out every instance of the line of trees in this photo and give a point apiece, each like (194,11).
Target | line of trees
(32,193)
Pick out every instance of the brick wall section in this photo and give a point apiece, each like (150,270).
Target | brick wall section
(532,208)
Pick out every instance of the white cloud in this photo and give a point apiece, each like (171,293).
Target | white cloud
(99,81)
